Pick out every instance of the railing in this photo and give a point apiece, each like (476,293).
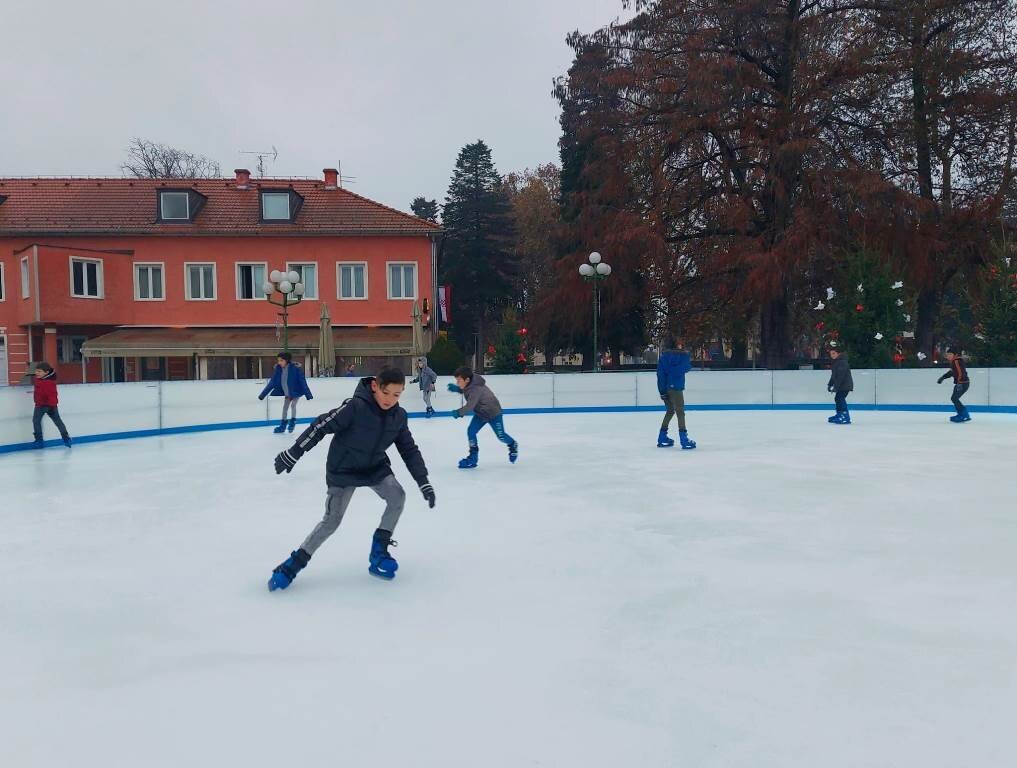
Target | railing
(110,411)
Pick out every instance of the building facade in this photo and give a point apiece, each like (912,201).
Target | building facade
(149,279)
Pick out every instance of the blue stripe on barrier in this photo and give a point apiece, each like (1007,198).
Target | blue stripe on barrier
(12,447)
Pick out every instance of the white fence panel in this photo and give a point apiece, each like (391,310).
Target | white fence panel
(918,387)
(594,390)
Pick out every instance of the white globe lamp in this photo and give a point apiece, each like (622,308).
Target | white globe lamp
(595,258)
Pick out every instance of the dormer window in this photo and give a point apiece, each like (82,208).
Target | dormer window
(175,206)
(178,206)
(280,206)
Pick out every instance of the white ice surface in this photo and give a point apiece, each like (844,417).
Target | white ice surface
(790,594)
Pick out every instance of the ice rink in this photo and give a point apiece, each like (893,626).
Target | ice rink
(789,594)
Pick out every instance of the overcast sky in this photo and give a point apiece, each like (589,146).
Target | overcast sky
(390,89)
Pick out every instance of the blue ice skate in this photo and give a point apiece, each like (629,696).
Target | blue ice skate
(281,428)
(687,444)
(845,418)
(292,425)
(663,441)
(513,451)
(470,462)
(287,571)
(835,419)
(383,565)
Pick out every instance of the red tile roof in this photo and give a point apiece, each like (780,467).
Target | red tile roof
(128,207)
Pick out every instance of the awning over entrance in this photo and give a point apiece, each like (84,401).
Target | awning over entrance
(241,342)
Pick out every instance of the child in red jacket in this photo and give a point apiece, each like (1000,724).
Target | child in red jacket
(46,399)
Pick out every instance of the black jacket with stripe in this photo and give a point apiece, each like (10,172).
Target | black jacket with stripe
(362,433)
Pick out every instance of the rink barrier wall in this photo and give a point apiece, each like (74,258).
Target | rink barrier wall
(99,412)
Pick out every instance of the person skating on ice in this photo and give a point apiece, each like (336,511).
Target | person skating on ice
(481,402)
(362,430)
(44,390)
(841,383)
(674,363)
(426,378)
(961,383)
(288,381)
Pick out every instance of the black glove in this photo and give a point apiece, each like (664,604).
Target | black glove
(942,379)
(829,388)
(414,381)
(285,462)
(261,397)
(428,492)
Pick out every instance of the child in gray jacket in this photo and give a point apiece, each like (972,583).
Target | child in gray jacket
(481,402)
(426,378)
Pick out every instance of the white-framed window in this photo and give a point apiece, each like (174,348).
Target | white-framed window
(308,272)
(69,348)
(25,292)
(351,280)
(250,279)
(275,206)
(175,206)
(3,285)
(149,282)
(402,280)
(199,282)
(86,278)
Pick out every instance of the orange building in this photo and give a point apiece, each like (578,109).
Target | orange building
(149,279)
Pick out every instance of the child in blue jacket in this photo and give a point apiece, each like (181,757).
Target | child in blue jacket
(289,382)
(674,364)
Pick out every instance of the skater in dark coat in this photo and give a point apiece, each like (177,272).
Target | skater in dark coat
(288,381)
(44,390)
(362,429)
(481,402)
(840,384)
(961,383)
(674,363)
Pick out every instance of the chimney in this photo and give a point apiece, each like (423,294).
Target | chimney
(243,178)
(331,178)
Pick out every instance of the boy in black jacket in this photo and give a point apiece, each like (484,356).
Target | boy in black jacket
(840,384)
(363,428)
(961,382)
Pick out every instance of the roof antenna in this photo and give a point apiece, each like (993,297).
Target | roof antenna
(261,155)
(346,179)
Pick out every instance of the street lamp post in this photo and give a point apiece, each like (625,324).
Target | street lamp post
(289,287)
(594,272)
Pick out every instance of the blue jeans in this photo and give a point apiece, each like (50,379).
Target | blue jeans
(477,424)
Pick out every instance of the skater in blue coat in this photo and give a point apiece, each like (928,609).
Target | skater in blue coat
(481,402)
(288,381)
(363,428)
(674,363)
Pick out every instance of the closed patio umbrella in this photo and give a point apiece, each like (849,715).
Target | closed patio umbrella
(326,344)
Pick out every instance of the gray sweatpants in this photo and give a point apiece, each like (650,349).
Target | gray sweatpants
(338,500)
(427,396)
(290,404)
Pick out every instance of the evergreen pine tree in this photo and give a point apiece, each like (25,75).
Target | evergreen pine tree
(478,259)
(425,209)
